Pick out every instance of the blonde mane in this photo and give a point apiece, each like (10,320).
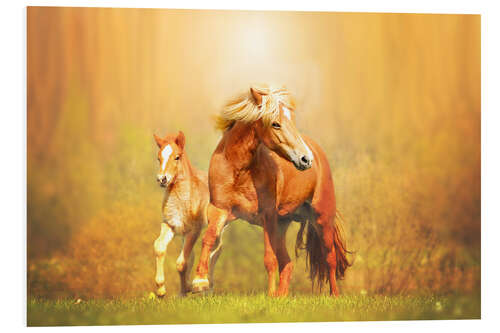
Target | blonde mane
(244,108)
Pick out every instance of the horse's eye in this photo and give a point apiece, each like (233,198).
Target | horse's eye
(276,125)
(177,157)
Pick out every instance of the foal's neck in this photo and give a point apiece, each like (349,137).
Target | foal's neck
(241,145)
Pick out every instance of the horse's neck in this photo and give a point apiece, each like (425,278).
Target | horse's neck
(241,145)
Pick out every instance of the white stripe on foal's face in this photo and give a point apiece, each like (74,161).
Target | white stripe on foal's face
(165,155)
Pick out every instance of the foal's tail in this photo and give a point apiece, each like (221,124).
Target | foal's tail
(316,252)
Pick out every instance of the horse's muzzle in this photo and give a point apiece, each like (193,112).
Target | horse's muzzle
(302,163)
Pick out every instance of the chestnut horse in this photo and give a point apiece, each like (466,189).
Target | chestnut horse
(184,207)
(263,171)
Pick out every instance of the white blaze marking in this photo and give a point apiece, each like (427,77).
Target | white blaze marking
(287,113)
(309,152)
(165,154)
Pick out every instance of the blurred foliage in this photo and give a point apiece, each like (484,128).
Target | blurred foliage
(393,99)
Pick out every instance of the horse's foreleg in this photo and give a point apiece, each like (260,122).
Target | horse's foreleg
(185,260)
(160,248)
(217,219)
(284,261)
(270,259)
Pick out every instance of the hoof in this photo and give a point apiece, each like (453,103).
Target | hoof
(161,292)
(200,285)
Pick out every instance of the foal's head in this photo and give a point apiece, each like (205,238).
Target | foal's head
(278,132)
(170,157)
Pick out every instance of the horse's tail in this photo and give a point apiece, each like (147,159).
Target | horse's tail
(316,252)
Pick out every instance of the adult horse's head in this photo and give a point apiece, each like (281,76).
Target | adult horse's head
(272,111)
(170,157)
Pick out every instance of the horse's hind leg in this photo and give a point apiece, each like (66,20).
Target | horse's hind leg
(329,241)
(160,247)
(185,260)
(328,237)
(214,256)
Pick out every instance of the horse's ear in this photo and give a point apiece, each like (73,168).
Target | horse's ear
(180,140)
(159,141)
(257,96)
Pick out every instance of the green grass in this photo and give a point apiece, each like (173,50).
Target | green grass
(256,308)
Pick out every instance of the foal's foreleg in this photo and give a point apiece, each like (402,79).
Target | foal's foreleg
(160,248)
(185,260)
(217,219)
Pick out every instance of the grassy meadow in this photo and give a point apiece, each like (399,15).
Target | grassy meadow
(393,99)
(249,308)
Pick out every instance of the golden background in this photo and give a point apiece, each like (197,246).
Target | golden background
(394,99)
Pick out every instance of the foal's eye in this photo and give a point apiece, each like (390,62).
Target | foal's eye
(276,125)
(177,157)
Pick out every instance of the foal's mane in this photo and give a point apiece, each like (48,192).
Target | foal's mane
(244,108)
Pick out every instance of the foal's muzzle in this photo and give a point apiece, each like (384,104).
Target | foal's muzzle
(162,180)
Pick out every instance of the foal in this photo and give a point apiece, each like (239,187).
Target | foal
(184,207)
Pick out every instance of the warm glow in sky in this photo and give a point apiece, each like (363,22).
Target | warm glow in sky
(393,99)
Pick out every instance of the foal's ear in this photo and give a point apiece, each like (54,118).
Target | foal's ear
(180,140)
(257,96)
(159,141)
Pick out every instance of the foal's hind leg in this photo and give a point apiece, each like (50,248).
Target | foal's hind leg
(160,247)
(185,260)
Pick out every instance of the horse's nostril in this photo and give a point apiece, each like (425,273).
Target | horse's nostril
(304,159)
